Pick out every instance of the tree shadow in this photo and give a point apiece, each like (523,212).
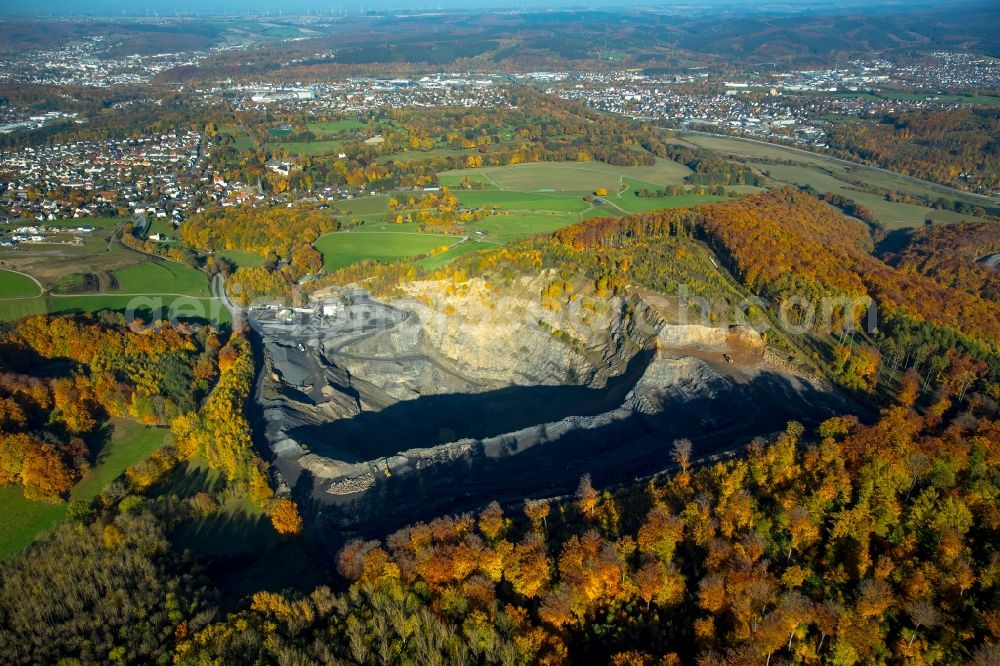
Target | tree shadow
(186,480)
(98,441)
(894,241)
(243,554)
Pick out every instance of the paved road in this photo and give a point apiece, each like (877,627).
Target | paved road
(219,291)
(920,181)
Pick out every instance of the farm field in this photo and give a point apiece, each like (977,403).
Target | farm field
(508,227)
(916,97)
(170,288)
(892,214)
(162,277)
(421,155)
(522,201)
(22,520)
(11,309)
(309,148)
(99,274)
(633,204)
(15,285)
(524,208)
(344,248)
(98,222)
(827,175)
(501,229)
(749,150)
(184,307)
(576,177)
(380,226)
(146,306)
(362,205)
(390,242)
(337,126)
(19,296)
(453,180)
(242,140)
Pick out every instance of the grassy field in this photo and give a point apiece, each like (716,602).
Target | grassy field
(345,248)
(309,148)
(534,198)
(362,205)
(130,442)
(184,307)
(163,226)
(420,155)
(892,214)
(502,229)
(22,520)
(241,259)
(15,285)
(986,100)
(575,177)
(337,126)
(162,277)
(746,150)
(101,255)
(524,214)
(15,309)
(380,226)
(633,204)
(98,222)
(19,296)
(244,551)
(242,141)
(828,175)
(522,201)
(513,226)
(453,179)
(49,262)
(148,305)
(537,187)
(439,260)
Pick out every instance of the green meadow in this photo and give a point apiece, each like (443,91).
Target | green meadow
(344,248)
(125,444)
(162,277)
(16,285)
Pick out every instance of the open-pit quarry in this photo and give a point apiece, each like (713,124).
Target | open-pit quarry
(440,400)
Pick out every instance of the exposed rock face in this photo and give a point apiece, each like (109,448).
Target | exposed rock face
(506,336)
(449,377)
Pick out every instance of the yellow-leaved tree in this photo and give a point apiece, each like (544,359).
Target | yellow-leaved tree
(286,518)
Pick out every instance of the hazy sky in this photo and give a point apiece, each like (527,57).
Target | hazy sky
(169,7)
